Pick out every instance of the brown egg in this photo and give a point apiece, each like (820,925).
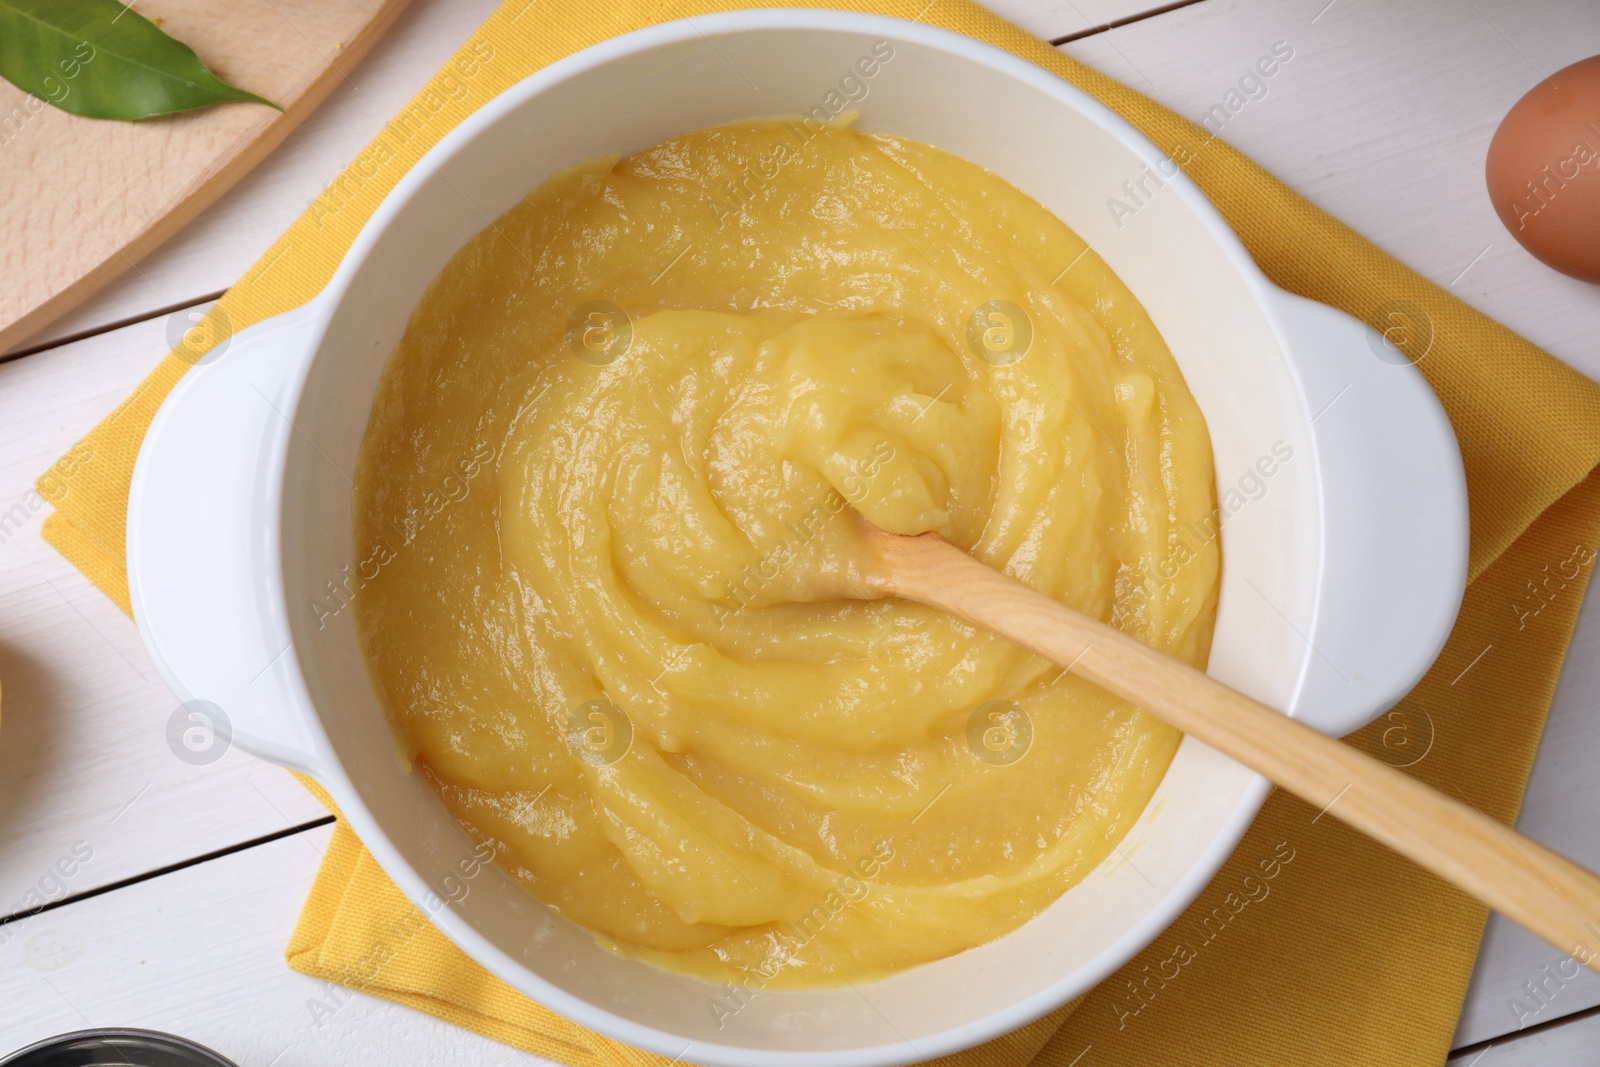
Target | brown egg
(1544,170)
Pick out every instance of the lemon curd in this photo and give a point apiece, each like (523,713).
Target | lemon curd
(604,509)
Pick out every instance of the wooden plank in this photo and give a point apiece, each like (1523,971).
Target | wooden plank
(1571,1044)
(82,200)
(84,756)
(1383,117)
(1054,19)
(199,952)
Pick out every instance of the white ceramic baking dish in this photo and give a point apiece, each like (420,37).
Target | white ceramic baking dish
(1343,567)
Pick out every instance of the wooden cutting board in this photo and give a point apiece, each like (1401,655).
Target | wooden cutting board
(81,200)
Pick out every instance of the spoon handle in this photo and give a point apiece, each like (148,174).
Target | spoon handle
(1540,889)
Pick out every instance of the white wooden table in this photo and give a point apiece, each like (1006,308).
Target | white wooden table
(179,917)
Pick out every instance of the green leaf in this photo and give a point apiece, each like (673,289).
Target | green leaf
(102,60)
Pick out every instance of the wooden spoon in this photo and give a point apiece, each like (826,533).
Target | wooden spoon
(1542,890)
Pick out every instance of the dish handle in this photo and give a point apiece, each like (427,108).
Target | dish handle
(203,547)
(1394,507)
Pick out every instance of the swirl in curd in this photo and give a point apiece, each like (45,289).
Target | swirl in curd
(607,484)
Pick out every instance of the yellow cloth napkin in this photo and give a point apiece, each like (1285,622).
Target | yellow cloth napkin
(1347,954)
